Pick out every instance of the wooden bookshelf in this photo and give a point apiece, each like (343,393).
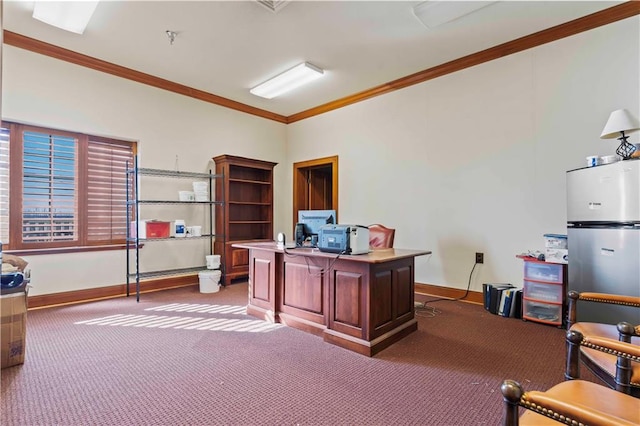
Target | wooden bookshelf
(247,211)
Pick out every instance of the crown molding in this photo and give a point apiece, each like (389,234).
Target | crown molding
(37,46)
(586,23)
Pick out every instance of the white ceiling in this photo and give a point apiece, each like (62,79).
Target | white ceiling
(226,48)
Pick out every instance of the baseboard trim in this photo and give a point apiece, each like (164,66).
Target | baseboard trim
(448,293)
(109,292)
(120,290)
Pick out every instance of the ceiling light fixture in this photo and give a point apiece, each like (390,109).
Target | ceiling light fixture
(288,80)
(273,5)
(70,16)
(433,13)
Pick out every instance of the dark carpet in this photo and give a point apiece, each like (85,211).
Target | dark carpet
(180,357)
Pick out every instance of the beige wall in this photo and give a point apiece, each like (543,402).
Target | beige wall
(473,161)
(476,160)
(48,92)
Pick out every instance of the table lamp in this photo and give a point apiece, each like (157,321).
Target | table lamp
(621,121)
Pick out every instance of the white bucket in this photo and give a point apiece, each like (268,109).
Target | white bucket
(213,261)
(209,281)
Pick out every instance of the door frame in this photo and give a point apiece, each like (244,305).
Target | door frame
(299,183)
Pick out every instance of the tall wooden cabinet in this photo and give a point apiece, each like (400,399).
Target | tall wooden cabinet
(247,211)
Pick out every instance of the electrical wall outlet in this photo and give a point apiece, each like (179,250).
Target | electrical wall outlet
(479,257)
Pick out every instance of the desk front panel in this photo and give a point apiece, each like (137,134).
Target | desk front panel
(402,294)
(369,300)
(348,296)
(263,271)
(303,291)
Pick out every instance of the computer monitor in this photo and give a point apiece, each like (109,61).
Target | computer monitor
(314,219)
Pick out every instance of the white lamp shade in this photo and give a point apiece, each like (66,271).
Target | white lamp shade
(620,120)
(71,16)
(295,77)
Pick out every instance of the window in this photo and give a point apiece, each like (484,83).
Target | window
(65,189)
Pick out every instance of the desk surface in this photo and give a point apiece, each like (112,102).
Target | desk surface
(374,256)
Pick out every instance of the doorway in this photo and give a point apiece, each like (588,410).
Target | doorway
(315,186)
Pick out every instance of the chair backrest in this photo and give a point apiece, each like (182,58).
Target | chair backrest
(380,236)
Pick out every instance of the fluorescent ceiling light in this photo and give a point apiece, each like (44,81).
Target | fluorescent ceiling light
(288,80)
(69,15)
(274,5)
(437,12)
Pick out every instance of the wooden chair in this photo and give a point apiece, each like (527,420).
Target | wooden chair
(618,373)
(380,236)
(574,402)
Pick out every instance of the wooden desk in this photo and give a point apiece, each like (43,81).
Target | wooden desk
(363,303)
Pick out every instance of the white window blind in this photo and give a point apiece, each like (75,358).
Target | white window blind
(49,188)
(107,190)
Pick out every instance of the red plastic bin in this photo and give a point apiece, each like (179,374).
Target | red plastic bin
(157,229)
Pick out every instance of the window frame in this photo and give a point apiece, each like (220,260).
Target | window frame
(15,244)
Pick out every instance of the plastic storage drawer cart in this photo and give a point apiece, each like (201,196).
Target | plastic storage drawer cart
(544,292)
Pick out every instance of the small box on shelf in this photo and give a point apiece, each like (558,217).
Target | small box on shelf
(136,225)
(555,241)
(557,255)
(556,248)
(158,229)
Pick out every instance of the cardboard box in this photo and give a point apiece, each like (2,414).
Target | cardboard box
(13,310)
(555,241)
(556,248)
(556,255)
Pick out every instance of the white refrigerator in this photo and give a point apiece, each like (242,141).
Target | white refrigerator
(603,237)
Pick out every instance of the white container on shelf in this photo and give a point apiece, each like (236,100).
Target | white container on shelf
(186,195)
(200,187)
(196,231)
(180,228)
(209,281)
(593,160)
(200,190)
(135,225)
(608,159)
